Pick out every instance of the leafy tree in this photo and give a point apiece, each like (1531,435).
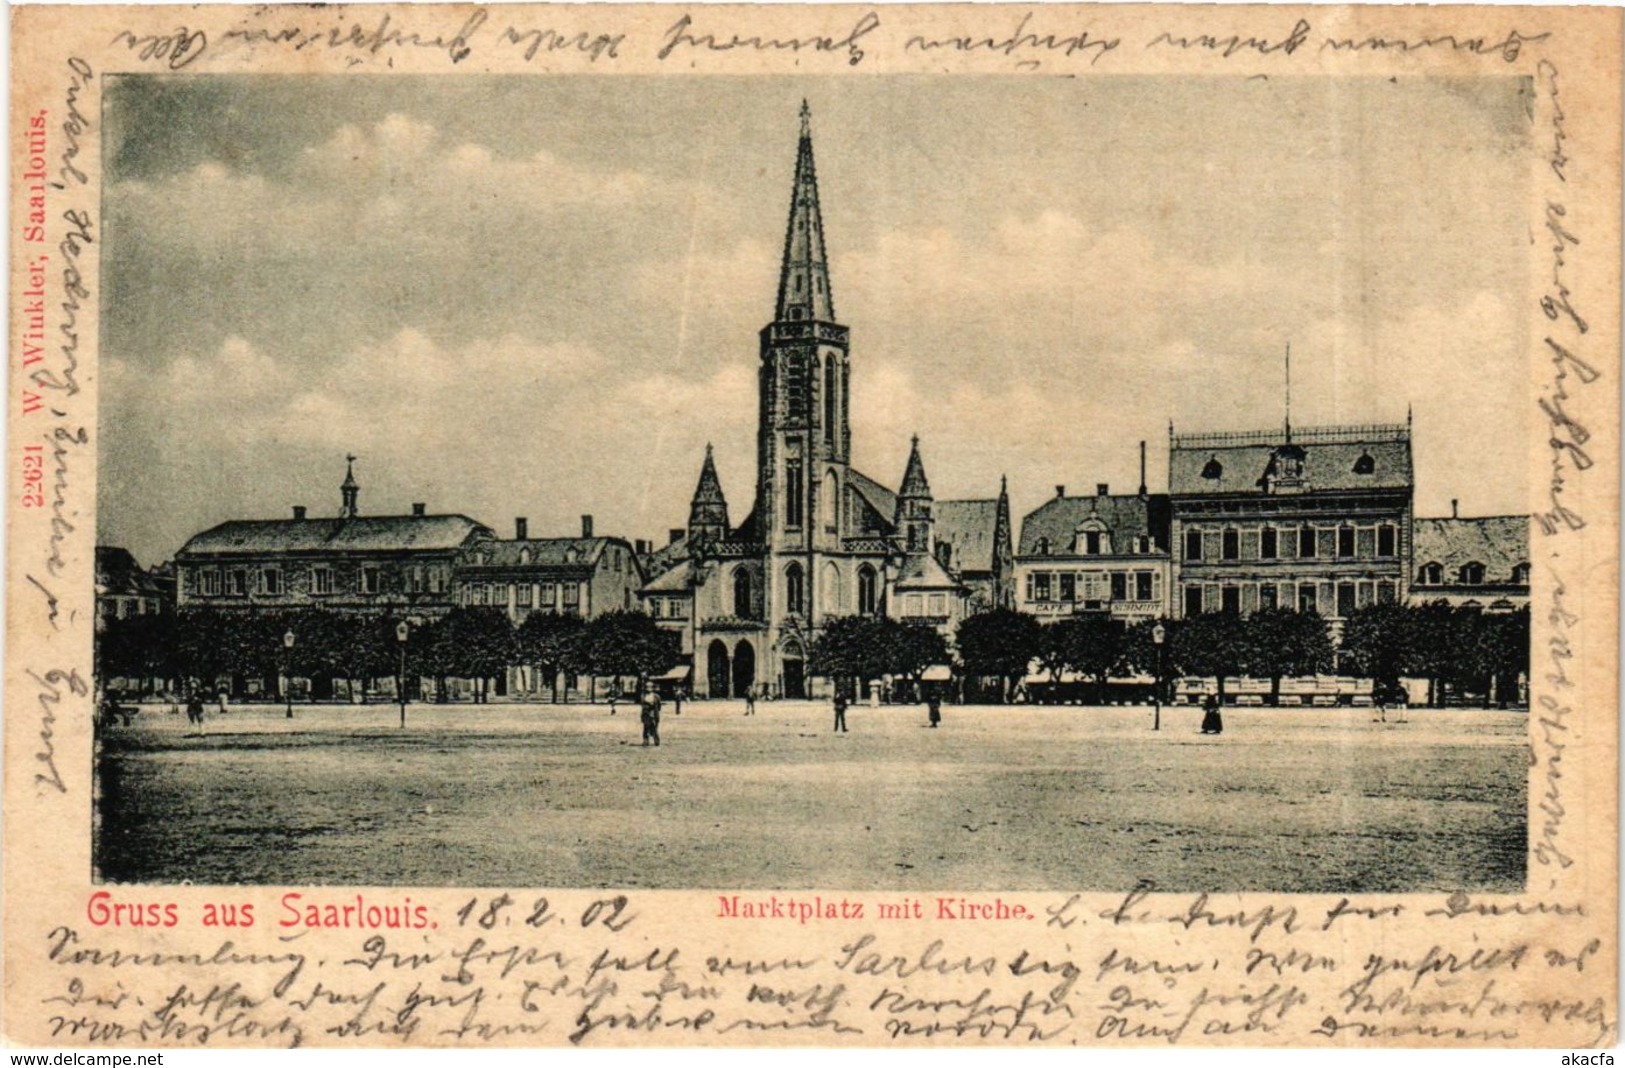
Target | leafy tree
(140,648)
(1090,645)
(1278,642)
(850,648)
(630,643)
(472,643)
(554,643)
(910,648)
(1432,633)
(999,643)
(1378,641)
(1210,644)
(1141,654)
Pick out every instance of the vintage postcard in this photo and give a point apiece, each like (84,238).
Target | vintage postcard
(901,526)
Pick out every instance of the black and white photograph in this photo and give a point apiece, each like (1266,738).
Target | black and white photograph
(880,483)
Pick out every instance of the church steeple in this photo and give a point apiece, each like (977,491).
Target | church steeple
(804,278)
(708,511)
(349,490)
(914,504)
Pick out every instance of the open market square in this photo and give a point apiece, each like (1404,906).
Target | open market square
(1000,797)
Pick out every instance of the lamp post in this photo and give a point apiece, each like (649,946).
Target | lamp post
(287,670)
(401,632)
(1158,634)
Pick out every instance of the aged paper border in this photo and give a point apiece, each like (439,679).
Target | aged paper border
(1554,966)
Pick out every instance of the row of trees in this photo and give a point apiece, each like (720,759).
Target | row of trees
(468,643)
(1462,648)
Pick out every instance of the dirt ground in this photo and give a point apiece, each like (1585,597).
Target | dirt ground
(1016,798)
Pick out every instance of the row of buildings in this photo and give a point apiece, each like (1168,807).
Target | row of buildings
(1311,518)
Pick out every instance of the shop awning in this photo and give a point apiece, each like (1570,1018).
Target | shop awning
(680,673)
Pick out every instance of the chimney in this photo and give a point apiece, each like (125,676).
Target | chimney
(586,526)
(674,535)
(1455,511)
(1101,488)
(299,511)
(1060,490)
(419,508)
(521,528)
(642,547)
(1142,468)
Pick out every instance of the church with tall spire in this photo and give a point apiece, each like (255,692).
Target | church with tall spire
(822,540)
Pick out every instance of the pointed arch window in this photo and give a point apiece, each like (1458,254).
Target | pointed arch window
(830,408)
(795,590)
(868,591)
(743,607)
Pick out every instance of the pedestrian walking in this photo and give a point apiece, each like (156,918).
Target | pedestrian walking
(677,699)
(750,700)
(651,718)
(933,706)
(194,710)
(1212,722)
(840,712)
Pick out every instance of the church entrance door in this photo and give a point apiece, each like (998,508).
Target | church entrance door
(795,679)
(716,669)
(744,668)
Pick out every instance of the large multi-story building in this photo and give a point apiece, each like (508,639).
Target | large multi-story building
(404,564)
(1104,553)
(823,539)
(1480,562)
(124,588)
(586,576)
(1317,519)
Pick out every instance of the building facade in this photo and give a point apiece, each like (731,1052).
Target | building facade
(1480,562)
(124,588)
(1106,553)
(402,564)
(584,577)
(1316,519)
(822,540)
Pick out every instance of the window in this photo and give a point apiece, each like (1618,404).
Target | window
(1266,596)
(1520,575)
(1193,544)
(546,598)
(437,580)
(793,493)
(795,381)
(271,581)
(1365,465)
(829,407)
(525,591)
(1387,540)
(1345,599)
(1041,586)
(1069,586)
(1043,546)
(1145,543)
(1193,600)
(209,583)
(742,594)
(795,590)
(1306,597)
(1142,586)
(1119,585)
(1345,541)
(1091,542)
(1230,599)
(939,604)
(1366,543)
(1430,574)
(1213,468)
(1306,542)
(370,581)
(1326,543)
(830,502)
(1267,549)
(1387,592)
(1472,574)
(237,583)
(1095,588)
(1231,546)
(572,597)
(867,599)
(321,580)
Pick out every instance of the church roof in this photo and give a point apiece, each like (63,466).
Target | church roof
(1499,542)
(1125,517)
(1334,458)
(920,571)
(970,529)
(672,580)
(804,278)
(874,494)
(367,534)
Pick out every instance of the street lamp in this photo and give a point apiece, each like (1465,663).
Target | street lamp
(401,631)
(1158,634)
(287,670)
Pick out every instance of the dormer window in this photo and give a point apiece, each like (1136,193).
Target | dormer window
(1213,468)
(1365,465)
(1043,546)
(1520,575)
(1431,574)
(524,555)
(1472,574)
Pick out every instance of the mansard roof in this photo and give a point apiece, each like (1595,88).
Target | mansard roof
(1125,518)
(1499,542)
(1337,458)
(365,534)
(970,529)
(543,552)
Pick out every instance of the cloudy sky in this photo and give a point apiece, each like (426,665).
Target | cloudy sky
(540,296)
